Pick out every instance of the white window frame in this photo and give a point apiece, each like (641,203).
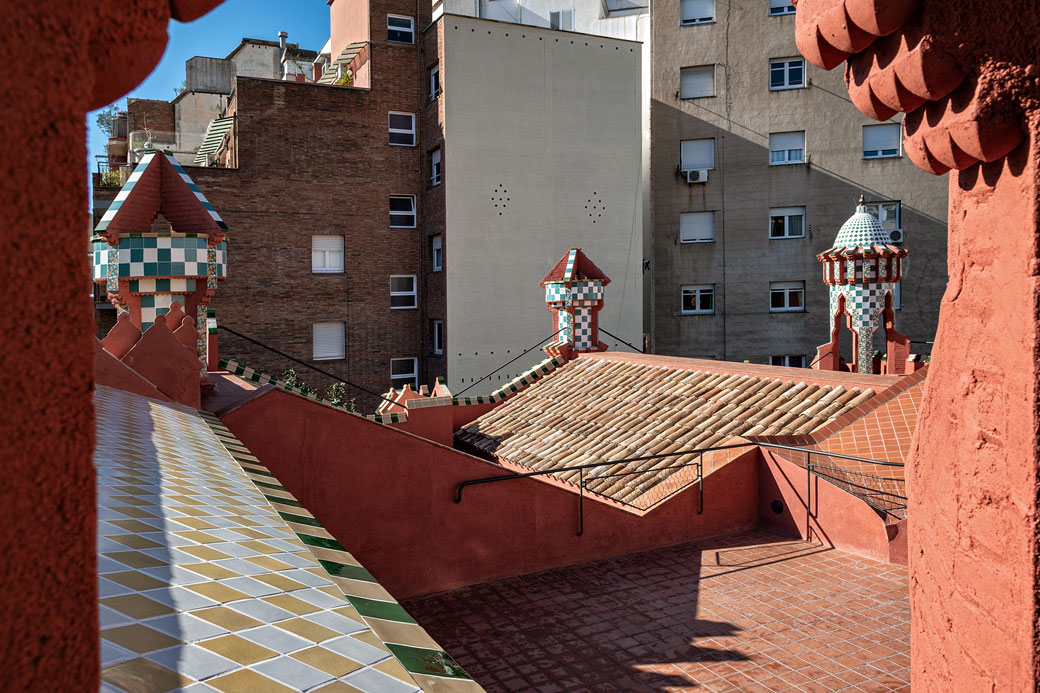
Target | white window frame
(785,66)
(788,360)
(412,377)
(897,296)
(400,213)
(779,8)
(436,167)
(701,18)
(788,153)
(435,82)
(324,266)
(691,216)
(413,293)
(701,71)
(694,165)
(887,152)
(787,290)
(410,132)
(329,326)
(437,252)
(560,14)
(786,213)
(438,337)
(410,30)
(875,208)
(697,290)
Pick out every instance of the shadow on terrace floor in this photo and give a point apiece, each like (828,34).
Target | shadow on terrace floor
(746,612)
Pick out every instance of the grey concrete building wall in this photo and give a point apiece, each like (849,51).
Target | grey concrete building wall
(256,60)
(743,260)
(210,75)
(541,154)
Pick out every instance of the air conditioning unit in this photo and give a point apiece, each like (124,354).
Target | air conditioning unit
(697,176)
(896,235)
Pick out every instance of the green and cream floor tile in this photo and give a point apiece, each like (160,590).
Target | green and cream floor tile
(203,586)
(418,657)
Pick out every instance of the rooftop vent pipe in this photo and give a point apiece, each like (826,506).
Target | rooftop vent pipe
(282,35)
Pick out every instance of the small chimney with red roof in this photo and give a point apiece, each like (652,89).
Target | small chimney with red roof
(574,295)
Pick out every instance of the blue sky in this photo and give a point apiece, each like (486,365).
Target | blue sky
(215,35)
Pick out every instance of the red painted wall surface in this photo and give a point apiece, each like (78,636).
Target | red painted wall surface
(431,423)
(837,518)
(48,593)
(972,474)
(387,496)
(112,372)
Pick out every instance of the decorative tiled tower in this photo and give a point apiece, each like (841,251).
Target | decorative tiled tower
(147,268)
(574,295)
(862,270)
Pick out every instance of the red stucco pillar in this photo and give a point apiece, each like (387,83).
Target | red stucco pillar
(973,468)
(61,60)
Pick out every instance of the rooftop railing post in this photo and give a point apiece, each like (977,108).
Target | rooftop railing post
(808,496)
(581,502)
(700,482)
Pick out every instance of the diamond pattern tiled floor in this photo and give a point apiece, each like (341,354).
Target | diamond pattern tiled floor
(749,612)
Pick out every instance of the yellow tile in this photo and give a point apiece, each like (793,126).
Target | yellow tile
(226,618)
(247,681)
(349,612)
(251,533)
(237,649)
(134,541)
(217,592)
(130,500)
(135,559)
(194,511)
(404,633)
(308,629)
(143,676)
(269,563)
(370,638)
(361,588)
(133,526)
(280,581)
(332,591)
(205,553)
(393,667)
(135,580)
(259,547)
(133,512)
(337,687)
(200,537)
(139,638)
(185,500)
(326,660)
(210,570)
(290,603)
(136,606)
(194,523)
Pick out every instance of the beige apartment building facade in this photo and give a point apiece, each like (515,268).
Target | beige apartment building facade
(756,160)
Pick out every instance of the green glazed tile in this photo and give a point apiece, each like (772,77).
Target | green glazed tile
(373,608)
(419,660)
(343,570)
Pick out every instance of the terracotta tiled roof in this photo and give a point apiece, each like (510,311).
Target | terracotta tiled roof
(602,409)
(575,266)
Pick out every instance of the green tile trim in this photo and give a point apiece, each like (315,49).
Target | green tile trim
(319,542)
(254,470)
(388,611)
(299,519)
(345,570)
(264,484)
(284,501)
(419,660)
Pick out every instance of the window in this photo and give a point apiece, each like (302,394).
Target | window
(697,154)
(402,129)
(437,251)
(438,336)
(778,7)
(400,29)
(404,372)
(402,211)
(880,141)
(435,81)
(328,341)
(786,297)
(787,222)
(435,167)
(885,212)
(403,293)
(698,299)
(697,82)
(787,73)
(789,360)
(326,254)
(786,148)
(897,296)
(697,227)
(562,20)
(697,12)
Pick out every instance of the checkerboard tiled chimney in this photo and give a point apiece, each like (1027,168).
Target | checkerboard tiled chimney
(574,295)
(862,270)
(147,269)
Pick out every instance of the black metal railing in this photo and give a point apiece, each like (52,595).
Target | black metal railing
(884,497)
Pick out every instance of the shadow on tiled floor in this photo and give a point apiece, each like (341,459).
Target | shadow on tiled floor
(747,612)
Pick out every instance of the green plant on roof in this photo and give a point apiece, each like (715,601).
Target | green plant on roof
(345,80)
(112,178)
(292,380)
(336,394)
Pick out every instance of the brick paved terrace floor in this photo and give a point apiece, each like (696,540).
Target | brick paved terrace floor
(745,612)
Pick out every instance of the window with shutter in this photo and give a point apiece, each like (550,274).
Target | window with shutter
(697,82)
(328,341)
(786,148)
(697,154)
(696,12)
(880,141)
(779,7)
(697,227)
(787,222)
(435,167)
(326,254)
(437,251)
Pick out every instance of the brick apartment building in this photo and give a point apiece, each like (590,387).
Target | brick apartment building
(785,156)
(341,203)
